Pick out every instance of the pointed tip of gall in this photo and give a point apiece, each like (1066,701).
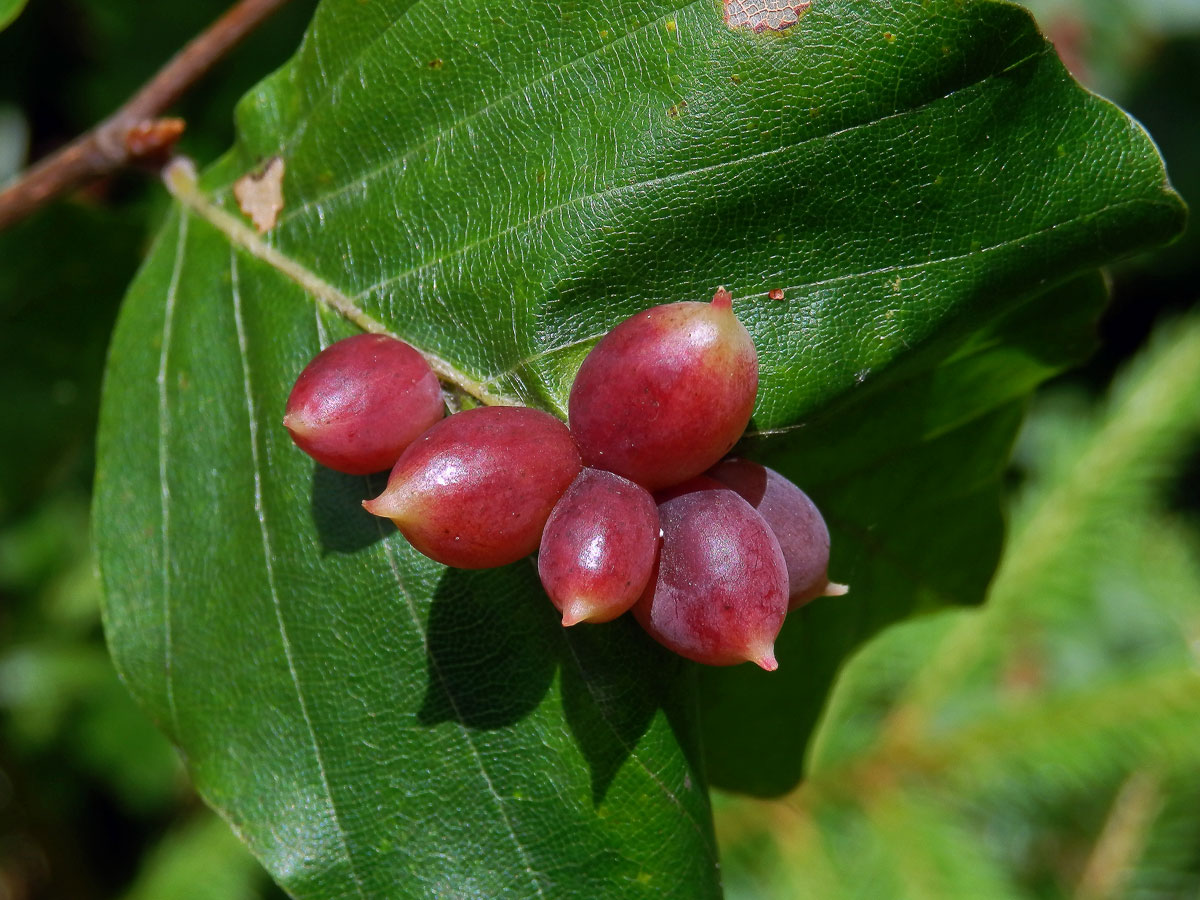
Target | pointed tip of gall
(295,423)
(574,612)
(722,299)
(392,504)
(833,589)
(381,507)
(766,660)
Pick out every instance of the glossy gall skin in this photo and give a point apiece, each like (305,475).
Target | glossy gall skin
(361,401)
(599,546)
(794,518)
(475,490)
(719,593)
(666,393)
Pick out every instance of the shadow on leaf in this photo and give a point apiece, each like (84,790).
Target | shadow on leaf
(492,648)
(612,676)
(494,643)
(343,526)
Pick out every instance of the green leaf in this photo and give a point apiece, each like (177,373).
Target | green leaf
(9,10)
(908,473)
(1059,721)
(499,187)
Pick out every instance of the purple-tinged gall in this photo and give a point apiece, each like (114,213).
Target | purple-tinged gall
(719,593)
(598,549)
(796,522)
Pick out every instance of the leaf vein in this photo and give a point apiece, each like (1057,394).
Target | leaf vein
(480,112)
(801,287)
(260,512)
(181,182)
(632,750)
(466,733)
(164,488)
(673,177)
(331,86)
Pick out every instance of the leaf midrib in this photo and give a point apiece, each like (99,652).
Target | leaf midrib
(240,236)
(484,387)
(181,182)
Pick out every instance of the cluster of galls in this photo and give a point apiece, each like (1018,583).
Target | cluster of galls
(631,507)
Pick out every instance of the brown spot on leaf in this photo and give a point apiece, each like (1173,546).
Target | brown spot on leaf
(436,63)
(775,294)
(260,194)
(764,15)
(675,111)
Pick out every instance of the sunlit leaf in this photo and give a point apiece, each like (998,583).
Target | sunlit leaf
(499,187)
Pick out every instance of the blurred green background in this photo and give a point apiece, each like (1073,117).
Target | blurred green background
(94,804)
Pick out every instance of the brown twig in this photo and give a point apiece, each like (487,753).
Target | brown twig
(135,132)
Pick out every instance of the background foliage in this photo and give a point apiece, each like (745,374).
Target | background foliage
(96,805)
